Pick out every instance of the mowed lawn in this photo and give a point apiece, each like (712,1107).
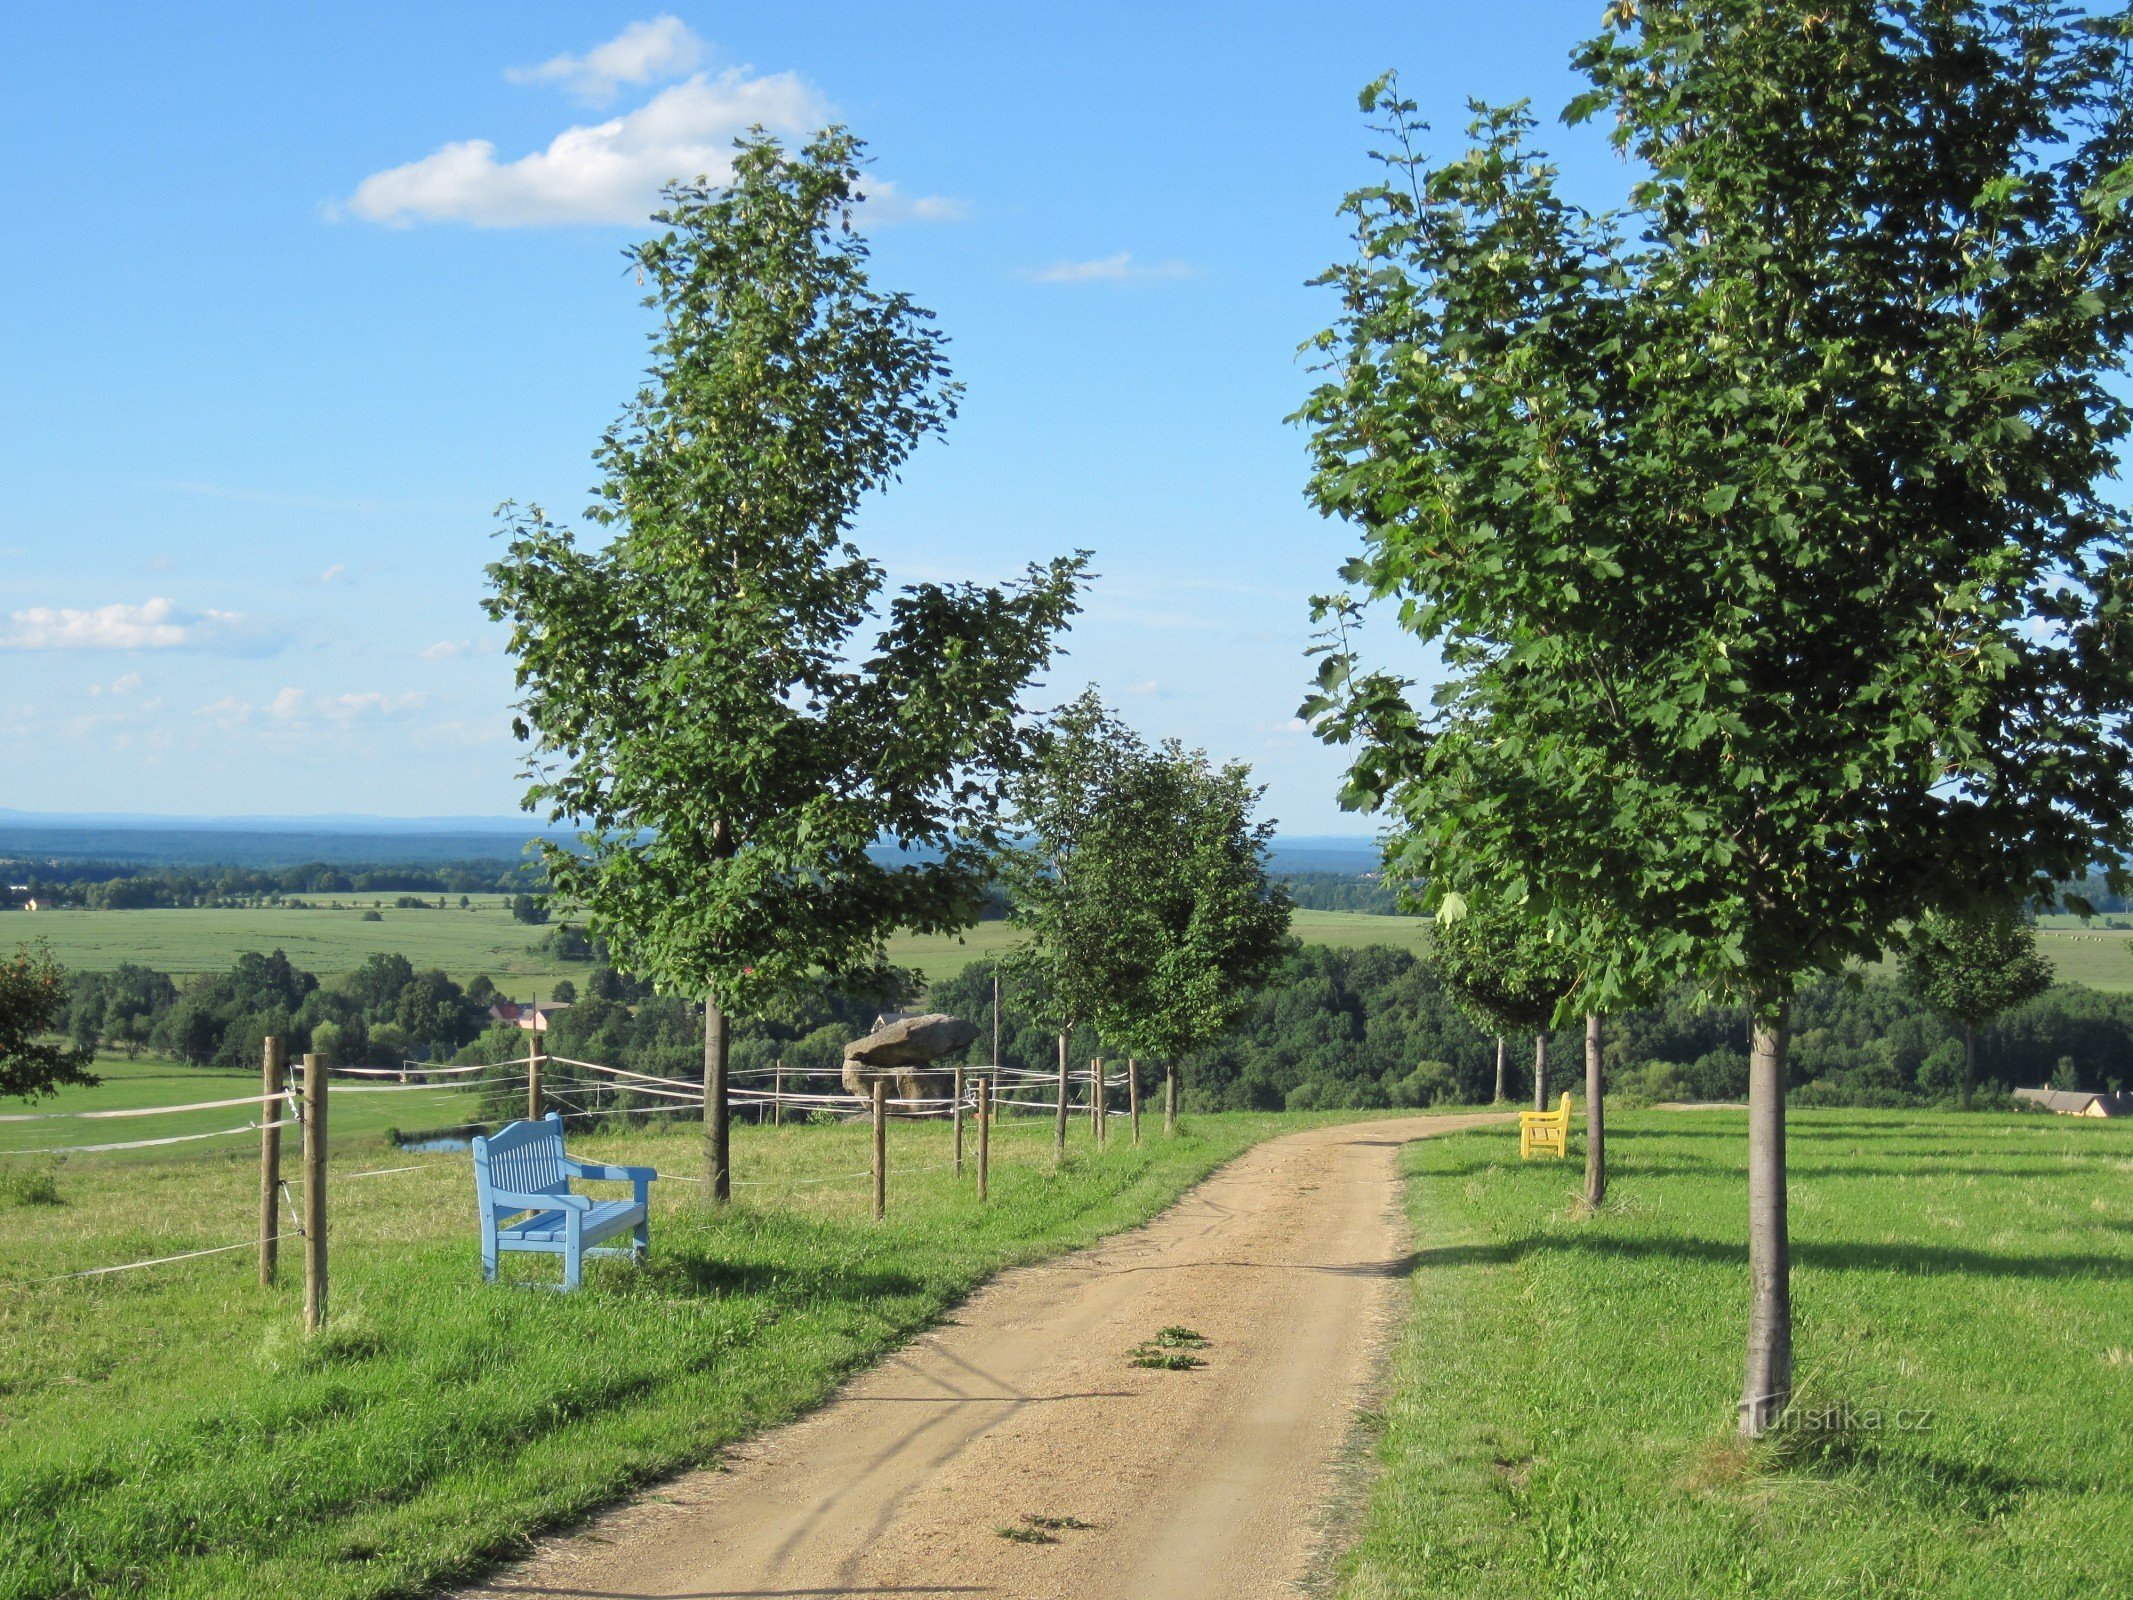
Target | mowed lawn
(1559,1421)
(167,1432)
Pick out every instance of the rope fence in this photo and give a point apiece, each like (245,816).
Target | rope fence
(296,1095)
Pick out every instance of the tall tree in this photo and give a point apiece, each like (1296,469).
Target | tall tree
(1068,872)
(1760,527)
(700,700)
(1501,969)
(1203,925)
(33,1005)
(1975,966)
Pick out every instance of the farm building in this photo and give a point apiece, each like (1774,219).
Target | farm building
(2079,1102)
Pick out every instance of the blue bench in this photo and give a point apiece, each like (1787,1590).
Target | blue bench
(522,1184)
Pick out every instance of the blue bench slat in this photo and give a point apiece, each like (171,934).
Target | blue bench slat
(523,1172)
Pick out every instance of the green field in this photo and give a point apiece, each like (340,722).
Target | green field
(167,1433)
(1559,1422)
(481,940)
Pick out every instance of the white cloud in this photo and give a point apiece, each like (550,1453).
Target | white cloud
(643,52)
(156,624)
(608,172)
(1118,269)
(293,709)
(453,649)
(333,574)
(612,171)
(124,684)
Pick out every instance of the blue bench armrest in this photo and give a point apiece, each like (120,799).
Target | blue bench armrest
(512,1200)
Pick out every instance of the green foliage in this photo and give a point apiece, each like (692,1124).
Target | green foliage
(1760,527)
(1499,966)
(696,694)
(34,1005)
(1975,966)
(1141,878)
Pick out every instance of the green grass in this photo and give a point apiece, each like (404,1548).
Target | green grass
(152,1082)
(167,1432)
(1560,1417)
(203,939)
(484,939)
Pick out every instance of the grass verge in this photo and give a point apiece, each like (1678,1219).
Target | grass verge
(168,1433)
(1559,1420)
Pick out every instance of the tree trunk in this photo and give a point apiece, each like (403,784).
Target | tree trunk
(718,1042)
(1767,1388)
(1540,1070)
(1502,1051)
(1595,1119)
(1170,1098)
(1059,1126)
(1969,1064)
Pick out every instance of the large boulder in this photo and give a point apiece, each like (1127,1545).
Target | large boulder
(901,1053)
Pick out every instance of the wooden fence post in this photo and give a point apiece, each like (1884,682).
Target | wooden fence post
(314,1193)
(270,1079)
(961,1087)
(1170,1098)
(984,1135)
(777,1094)
(881,1149)
(1133,1097)
(1100,1099)
(533,1071)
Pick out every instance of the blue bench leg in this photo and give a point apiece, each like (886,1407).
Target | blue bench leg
(643,1239)
(488,1261)
(573,1268)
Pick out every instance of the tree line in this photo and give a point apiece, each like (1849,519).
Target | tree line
(103,886)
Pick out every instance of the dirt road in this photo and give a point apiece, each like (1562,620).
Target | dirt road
(1193,1484)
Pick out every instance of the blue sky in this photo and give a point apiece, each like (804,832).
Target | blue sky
(296,295)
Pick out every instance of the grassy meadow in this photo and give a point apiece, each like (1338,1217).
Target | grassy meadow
(1560,1409)
(167,1432)
(482,939)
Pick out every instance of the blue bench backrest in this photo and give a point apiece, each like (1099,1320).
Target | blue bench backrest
(523,1158)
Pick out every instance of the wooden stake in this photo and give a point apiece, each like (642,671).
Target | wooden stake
(1133,1097)
(984,1136)
(1100,1100)
(959,1119)
(314,1193)
(777,1094)
(1059,1127)
(533,1070)
(1170,1099)
(270,1077)
(881,1149)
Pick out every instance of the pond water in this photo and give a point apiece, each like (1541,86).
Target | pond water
(436,1144)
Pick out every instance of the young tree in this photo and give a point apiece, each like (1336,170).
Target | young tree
(1760,530)
(1069,872)
(1975,966)
(700,701)
(1204,927)
(1502,971)
(33,1005)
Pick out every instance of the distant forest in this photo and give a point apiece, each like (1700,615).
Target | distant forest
(1357,1028)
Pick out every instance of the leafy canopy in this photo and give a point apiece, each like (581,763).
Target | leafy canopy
(1204,928)
(1760,528)
(1975,965)
(698,694)
(1142,880)
(1501,970)
(33,1004)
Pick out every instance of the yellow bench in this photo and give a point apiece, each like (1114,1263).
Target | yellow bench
(1545,1132)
